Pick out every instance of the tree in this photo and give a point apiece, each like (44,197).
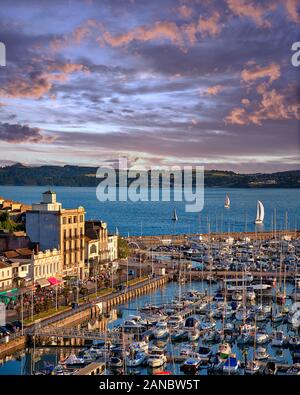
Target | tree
(123,249)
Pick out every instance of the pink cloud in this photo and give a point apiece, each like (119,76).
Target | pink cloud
(214,90)
(292,7)
(210,26)
(246,8)
(36,85)
(160,30)
(185,11)
(272,72)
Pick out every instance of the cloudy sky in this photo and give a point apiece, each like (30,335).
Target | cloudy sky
(161,82)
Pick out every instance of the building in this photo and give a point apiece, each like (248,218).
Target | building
(13,240)
(96,245)
(112,247)
(54,227)
(20,272)
(5,276)
(46,264)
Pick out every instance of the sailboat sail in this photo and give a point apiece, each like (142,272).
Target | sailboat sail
(227,201)
(260,214)
(175,218)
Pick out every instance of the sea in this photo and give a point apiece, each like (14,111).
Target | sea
(282,210)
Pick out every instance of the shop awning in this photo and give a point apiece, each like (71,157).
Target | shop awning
(42,282)
(54,281)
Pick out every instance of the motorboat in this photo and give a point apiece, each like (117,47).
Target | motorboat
(237,296)
(294,370)
(261,337)
(211,336)
(141,346)
(161,330)
(191,365)
(252,367)
(244,338)
(72,360)
(175,321)
(178,334)
(115,362)
(193,335)
(278,339)
(191,323)
(261,354)
(206,325)
(294,341)
(156,360)
(186,349)
(135,359)
(204,353)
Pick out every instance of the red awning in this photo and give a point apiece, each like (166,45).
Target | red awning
(53,281)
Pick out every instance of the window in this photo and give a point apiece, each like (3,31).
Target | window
(81,218)
(70,220)
(93,249)
(74,219)
(64,220)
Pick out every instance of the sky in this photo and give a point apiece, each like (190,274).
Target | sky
(161,82)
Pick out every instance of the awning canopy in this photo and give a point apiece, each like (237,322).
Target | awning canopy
(54,281)
(42,282)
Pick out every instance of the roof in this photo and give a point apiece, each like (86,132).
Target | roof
(18,253)
(49,192)
(3,265)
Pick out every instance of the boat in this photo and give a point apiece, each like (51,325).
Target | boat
(161,330)
(260,213)
(294,341)
(236,296)
(211,336)
(186,349)
(178,335)
(135,359)
(204,353)
(294,370)
(141,346)
(115,362)
(73,361)
(244,338)
(261,337)
(175,217)
(227,201)
(278,339)
(251,368)
(231,364)
(270,369)
(224,350)
(207,325)
(191,323)
(261,354)
(251,296)
(156,360)
(193,335)
(191,365)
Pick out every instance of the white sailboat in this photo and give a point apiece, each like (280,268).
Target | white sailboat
(227,201)
(175,218)
(260,213)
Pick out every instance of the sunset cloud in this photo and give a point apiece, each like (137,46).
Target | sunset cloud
(35,85)
(214,90)
(292,8)
(249,9)
(15,133)
(210,26)
(159,31)
(272,72)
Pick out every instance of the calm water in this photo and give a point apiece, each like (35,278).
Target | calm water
(25,363)
(149,218)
